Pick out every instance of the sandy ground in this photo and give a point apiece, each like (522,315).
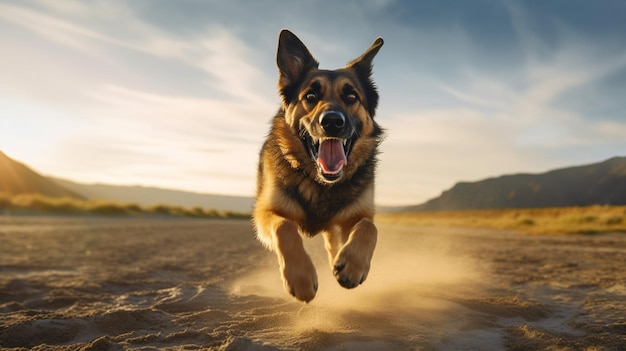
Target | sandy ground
(114,284)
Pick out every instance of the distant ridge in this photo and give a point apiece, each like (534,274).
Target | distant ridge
(16,178)
(153,196)
(601,183)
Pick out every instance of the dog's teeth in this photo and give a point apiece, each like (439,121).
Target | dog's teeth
(345,141)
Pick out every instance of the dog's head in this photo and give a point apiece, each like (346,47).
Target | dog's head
(331,111)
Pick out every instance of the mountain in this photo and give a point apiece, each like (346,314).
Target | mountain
(601,183)
(16,178)
(153,196)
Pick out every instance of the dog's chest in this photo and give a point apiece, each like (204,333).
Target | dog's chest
(322,203)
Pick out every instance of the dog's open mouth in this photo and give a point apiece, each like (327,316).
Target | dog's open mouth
(330,154)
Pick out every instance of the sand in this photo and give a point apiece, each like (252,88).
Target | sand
(147,284)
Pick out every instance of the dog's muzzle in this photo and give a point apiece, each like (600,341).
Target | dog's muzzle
(331,151)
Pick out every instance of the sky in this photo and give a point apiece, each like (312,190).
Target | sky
(179,94)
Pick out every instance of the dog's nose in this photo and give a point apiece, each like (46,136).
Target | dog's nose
(332,122)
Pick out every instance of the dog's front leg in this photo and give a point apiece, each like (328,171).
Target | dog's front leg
(298,273)
(352,263)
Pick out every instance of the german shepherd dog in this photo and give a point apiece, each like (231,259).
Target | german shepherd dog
(316,168)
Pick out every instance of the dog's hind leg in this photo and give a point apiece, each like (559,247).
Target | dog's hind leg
(352,262)
(298,273)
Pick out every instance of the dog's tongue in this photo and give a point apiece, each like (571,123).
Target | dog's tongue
(331,156)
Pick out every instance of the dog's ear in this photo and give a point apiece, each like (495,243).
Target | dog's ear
(362,66)
(293,60)
(364,62)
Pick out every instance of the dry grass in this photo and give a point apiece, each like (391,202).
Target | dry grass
(36,203)
(562,220)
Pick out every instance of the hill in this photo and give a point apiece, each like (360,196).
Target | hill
(16,178)
(601,183)
(153,196)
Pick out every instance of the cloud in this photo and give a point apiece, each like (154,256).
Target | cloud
(124,122)
(172,140)
(500,122)
(91,30)
(53,28)
(230,62)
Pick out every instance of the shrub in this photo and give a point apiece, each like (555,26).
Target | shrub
(615,220)
(108,208)
(588,219)
(526,222)
(26,203)
(133,208)
(5,201)
(159,209)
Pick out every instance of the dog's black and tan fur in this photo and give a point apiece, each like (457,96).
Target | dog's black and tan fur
(316,168)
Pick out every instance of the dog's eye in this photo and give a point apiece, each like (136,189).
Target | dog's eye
(311,97)
(350,98)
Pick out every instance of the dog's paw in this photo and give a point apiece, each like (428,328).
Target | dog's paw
(350,268)
(300,278)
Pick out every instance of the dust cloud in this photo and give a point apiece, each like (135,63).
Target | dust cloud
(412,283)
